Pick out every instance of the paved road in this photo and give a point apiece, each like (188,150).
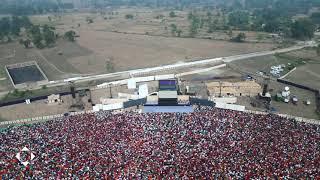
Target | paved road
(264,53)
(127,74)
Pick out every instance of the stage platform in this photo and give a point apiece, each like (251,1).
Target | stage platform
(167,109)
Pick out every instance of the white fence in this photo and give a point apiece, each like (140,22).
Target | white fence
(42,118)
(137,80)
(200,70)
(46,118)
(173,66)
(161,77)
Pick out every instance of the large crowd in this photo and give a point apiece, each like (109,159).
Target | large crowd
(206,144)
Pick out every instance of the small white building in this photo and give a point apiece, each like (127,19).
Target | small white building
(54,99)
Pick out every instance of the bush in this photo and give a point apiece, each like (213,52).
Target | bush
(129,16)
(172,14)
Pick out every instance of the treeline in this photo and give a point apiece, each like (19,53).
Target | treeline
(40,36)
(25,7)
(29,7)
(263,20)
(291,6)
(11,26)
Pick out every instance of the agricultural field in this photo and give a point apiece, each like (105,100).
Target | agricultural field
(144,21)
(112,42)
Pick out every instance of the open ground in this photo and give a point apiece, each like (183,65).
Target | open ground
(306,60)
(307,73)
(115,44)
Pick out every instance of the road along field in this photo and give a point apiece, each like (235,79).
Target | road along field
(97,52)
(128,51)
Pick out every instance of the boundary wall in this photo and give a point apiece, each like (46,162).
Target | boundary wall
(26,84)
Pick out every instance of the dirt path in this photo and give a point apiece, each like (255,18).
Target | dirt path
(55,67)
(10,56)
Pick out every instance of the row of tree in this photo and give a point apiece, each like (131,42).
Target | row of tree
(11,26)
(28,7)
(266,20)
(43,36)
(40,36)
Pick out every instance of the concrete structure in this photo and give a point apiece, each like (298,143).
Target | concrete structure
(26,84)
(227,100)
(230,106)
(106,101)
(143,91)
(244,88)
(54,99)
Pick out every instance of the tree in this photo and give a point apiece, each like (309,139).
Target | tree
(110,65)
(318,50)
(173,29)
(315,17)
(25,22)
(5,26)
(239,19)
(37,41)
(26,42)
(89,20)
(179,32)
(15,25)
(129,16)
(239,38)
(48,35)
(194,26)
(172,14)
(36,36)
(70,35)
(303,29)
(190,16)
(230,33)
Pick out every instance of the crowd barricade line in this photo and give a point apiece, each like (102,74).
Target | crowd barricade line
(300,119)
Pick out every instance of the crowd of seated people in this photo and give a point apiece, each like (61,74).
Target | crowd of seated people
(206,144)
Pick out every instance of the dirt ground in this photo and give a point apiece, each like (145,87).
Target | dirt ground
(129,51)
(308,74)
(13,53)
(136,43)
(37,109)
(155,22)
(112,43)
(300,109)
